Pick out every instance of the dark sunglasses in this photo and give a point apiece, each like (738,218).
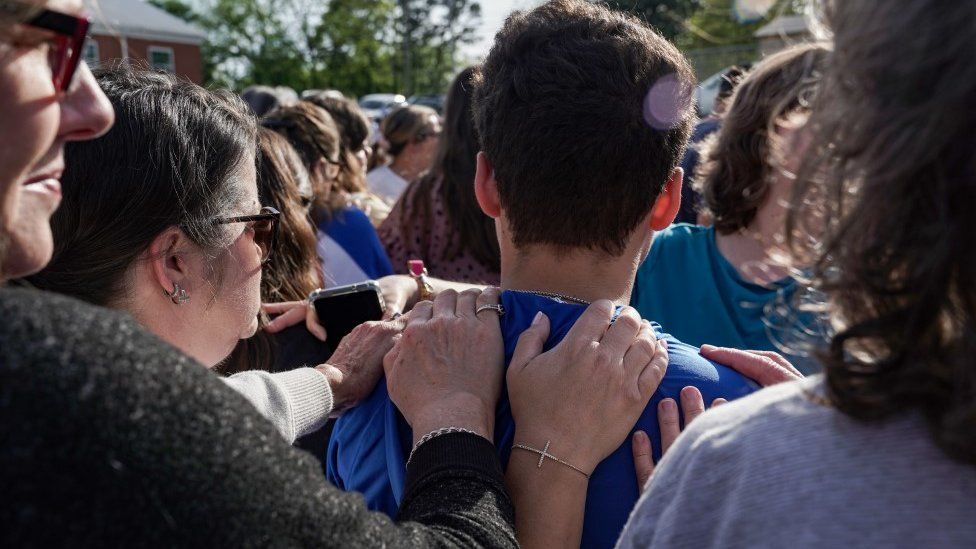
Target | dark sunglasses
(66,48)
(265,229)
(425,135)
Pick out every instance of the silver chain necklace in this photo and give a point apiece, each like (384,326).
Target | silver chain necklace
(553,295)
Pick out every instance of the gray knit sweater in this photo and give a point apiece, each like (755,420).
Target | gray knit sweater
(777,469)
(109,437)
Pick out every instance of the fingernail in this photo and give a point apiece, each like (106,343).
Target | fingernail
(538,318)
(668,405)
(707,348)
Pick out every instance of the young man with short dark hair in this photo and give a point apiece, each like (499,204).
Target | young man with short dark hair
(583,115)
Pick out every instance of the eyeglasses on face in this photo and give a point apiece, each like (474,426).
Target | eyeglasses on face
(265,225)
(67,45)
(427,134)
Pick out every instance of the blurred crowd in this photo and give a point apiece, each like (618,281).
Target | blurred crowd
(560,309)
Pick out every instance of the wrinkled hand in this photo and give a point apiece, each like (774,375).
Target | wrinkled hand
(357,363)
(291,313)
(692,406)
(446,369)
(585,394)
(765,367)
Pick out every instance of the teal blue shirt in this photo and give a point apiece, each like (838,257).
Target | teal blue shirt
(687,285)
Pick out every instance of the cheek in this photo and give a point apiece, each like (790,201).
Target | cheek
(242,284)
(28,126)
(29,243)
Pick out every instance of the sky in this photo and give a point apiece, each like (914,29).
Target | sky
(493,14)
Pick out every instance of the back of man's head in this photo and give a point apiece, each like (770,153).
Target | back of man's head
(583,113)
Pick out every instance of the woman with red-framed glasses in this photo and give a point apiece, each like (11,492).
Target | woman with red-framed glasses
(112,437)
(49,99)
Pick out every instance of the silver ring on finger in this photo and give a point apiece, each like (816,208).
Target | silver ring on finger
(497,308)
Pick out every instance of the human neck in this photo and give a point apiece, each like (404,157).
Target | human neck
(169,322)
(585,275)
(753,250)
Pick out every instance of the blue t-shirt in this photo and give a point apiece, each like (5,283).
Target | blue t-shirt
(687,285)
(350,250)
(370,443)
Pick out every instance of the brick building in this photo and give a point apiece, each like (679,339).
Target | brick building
(140,32)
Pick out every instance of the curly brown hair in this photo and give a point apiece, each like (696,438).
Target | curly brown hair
(734,177)
(894,194)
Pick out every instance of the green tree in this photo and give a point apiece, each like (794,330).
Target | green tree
(351,48)
(248,41)
(429,34)
(716,23)
(355,46)
(178,8)
(666,16)
(254,42)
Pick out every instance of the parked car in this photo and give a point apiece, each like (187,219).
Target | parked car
(378,105)
(435,102)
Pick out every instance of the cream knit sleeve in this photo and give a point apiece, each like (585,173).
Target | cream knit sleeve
(297,402)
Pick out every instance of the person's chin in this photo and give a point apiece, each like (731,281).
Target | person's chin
(29,243)
(26,254)
(251,329)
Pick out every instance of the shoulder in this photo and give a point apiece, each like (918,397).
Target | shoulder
(687,367)
(786,405)
(674,242)
(354,217)
(43,325)
(378,174)
(681,234)
(53,343)
(758,433)
(351,225)
(741,448)
(705,128)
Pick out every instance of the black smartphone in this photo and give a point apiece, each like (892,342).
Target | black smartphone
(343,308)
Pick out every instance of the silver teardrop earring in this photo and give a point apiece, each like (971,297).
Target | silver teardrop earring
(179,295)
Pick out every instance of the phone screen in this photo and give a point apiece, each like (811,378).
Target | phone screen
(339,314)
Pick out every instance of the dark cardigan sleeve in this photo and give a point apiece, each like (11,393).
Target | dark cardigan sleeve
(110,437)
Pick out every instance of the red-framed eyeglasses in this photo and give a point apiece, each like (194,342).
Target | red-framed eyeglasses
(69,41)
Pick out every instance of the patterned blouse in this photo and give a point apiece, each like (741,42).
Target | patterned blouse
(428,238)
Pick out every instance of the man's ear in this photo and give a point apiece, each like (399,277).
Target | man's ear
(668,203)
(486,188)
(167,265)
